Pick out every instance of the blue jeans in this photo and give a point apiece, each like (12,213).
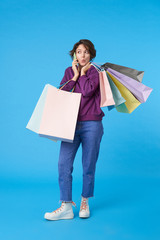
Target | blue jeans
(89,133)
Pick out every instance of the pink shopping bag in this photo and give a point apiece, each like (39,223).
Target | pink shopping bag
(55,115)
(105,90)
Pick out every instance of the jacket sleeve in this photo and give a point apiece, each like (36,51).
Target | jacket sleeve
(89,84)
(70,84)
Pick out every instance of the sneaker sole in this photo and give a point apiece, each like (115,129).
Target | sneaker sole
(84,216)
(59,218)
(52,219)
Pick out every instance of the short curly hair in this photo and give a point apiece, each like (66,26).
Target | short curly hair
(89,46)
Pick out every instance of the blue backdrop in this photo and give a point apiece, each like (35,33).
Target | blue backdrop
(35,39)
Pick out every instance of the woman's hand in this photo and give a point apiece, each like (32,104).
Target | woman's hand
(76,69)
(85,68)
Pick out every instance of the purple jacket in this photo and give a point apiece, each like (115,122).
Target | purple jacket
(88,85)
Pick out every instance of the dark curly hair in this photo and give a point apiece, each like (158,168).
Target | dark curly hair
(89,46)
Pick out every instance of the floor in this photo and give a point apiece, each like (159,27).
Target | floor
(122,208)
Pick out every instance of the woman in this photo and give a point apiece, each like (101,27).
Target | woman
(84,78)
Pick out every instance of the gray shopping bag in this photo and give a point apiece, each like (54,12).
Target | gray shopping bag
(130,72)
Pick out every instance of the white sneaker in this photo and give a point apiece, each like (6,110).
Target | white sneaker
(84,209)
(64,212)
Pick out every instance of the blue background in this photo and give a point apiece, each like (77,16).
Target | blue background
(35,38)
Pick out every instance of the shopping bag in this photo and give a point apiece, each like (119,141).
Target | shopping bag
(138,89)
(131,102)
(105,91)
(134,92)
(55,115)
(130,72)
(116,93)
(106,97)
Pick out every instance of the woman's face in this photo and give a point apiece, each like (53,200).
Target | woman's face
(82,55)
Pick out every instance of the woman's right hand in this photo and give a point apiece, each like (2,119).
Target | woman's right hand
(75,68)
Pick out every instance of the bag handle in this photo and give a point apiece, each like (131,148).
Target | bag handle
(61,86)
(97,67)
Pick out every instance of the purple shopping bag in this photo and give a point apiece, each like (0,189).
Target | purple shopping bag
(138,89)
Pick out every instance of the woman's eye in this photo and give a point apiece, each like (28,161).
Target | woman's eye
(85,52)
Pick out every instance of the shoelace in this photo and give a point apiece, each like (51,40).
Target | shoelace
(84,204)
(61,207)
(73,203)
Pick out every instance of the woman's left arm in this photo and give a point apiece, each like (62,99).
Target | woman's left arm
(89,84)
